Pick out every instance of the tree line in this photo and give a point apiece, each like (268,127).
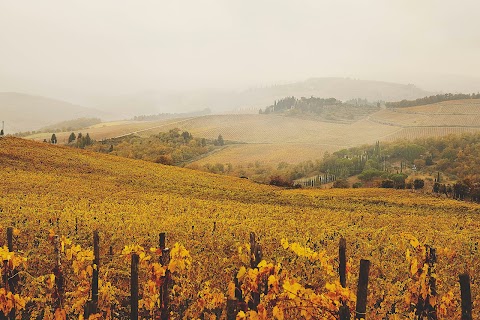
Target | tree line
(74,140)
(312,105)
(431,100)
(175,147)
(325,109)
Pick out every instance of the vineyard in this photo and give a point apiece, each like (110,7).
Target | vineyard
(54,197)
(428,132)
(273,139)
(452,107)
(457,113)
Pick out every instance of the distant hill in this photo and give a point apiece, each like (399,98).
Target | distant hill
(256,98)
(339,88)
(23,112)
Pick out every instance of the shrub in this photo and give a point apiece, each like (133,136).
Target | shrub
(342,183)
(280,182)
(418,184)
(387,183)
(357,185)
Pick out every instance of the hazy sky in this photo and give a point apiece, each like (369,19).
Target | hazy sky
(87,47)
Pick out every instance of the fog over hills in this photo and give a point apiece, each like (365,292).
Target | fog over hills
(24,112)
(258,97)
(128,58)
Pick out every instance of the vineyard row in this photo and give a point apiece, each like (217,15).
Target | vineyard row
(237,302)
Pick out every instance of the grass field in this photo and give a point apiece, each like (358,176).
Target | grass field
(45,187)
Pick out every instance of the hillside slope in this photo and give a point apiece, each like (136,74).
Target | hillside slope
(72,192)
(23,112)
(275,138)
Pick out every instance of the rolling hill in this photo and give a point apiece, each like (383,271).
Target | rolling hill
(70,192)
(438,119)
(23,112)
(259,97)
(275,138)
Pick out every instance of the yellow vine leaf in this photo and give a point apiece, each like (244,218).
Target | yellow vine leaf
(414,266)
(278,313)
(262,264)
(60,314)
(231,290)
(241,273)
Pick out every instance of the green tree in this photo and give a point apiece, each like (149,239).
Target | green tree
(88,140)
(418,184)
(370,174)
(187,136)
(72,137)
(460,190)
(387,184)
(220,140)
(342,183)
(399,180)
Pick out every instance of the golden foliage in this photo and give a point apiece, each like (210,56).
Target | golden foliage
(48,190)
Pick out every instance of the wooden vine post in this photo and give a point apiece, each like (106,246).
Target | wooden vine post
(236,303)
(431,260)
(255,258)
(57,271)
(344,311)
(466,296)
(10,239)
(96,269)
(232,306)
(424,309)
(92,305)
(10,277)
(362,289)
(164,289)
(134,287)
